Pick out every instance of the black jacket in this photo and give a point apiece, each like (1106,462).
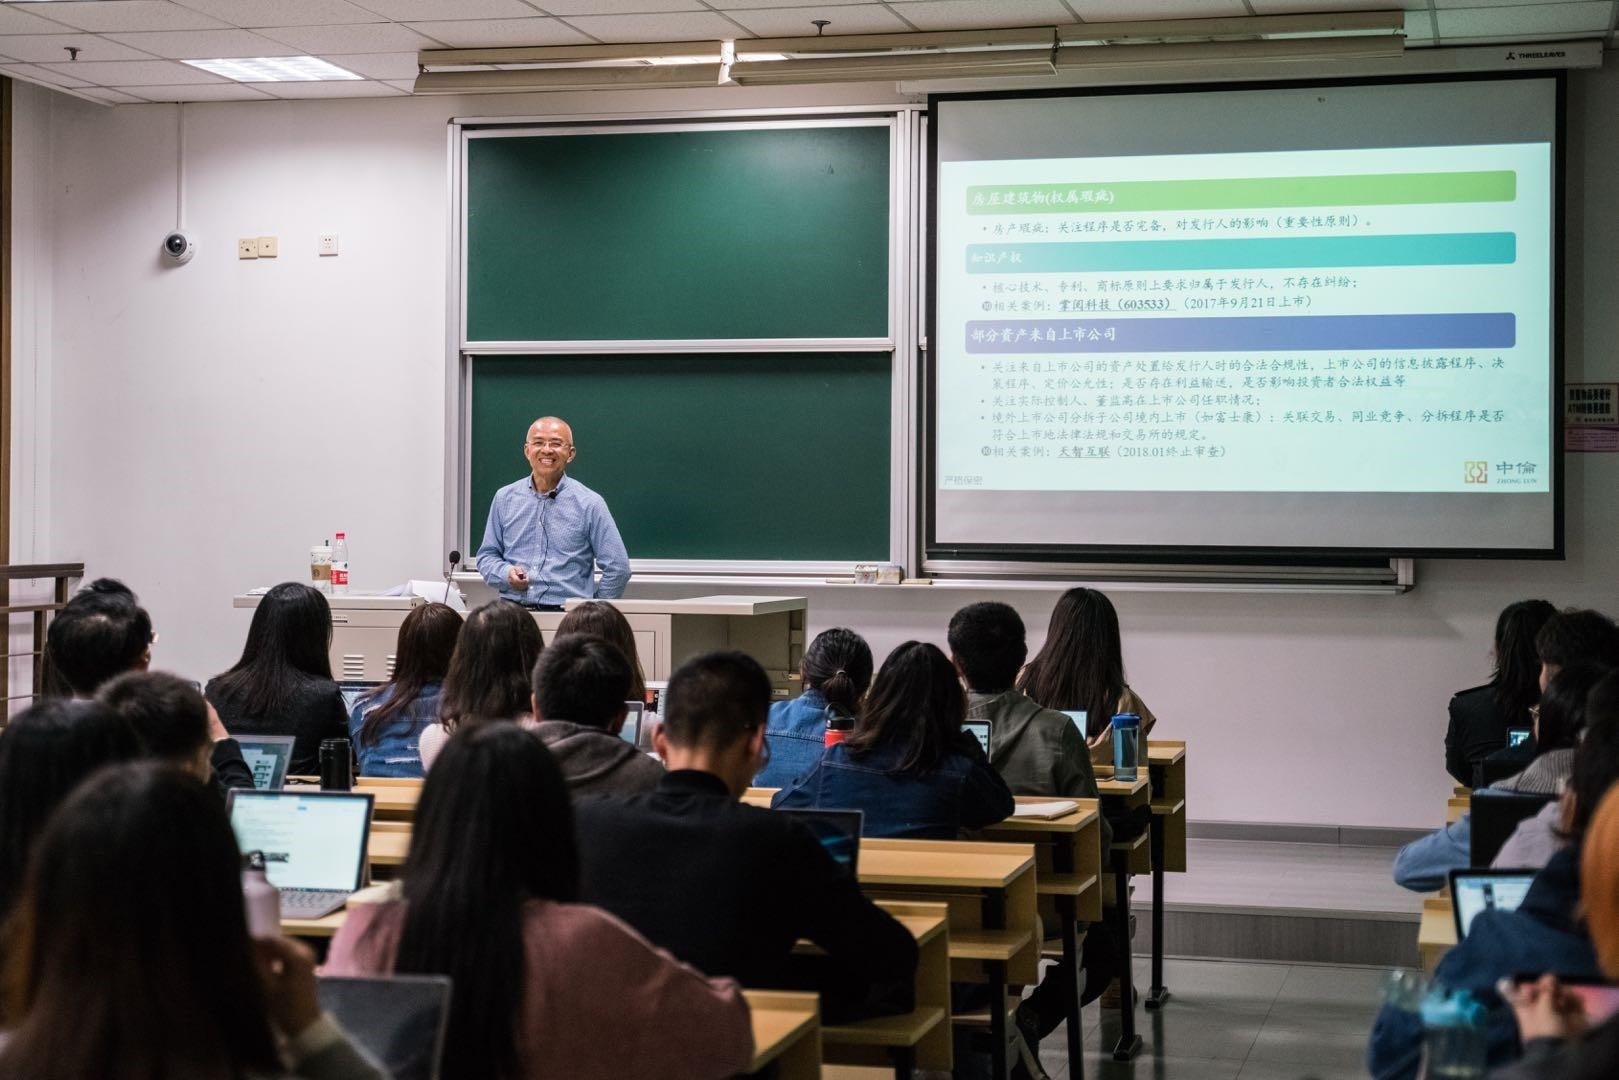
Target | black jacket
(1477,729)
(314,712)
(1592,1056)
(729,888)
(230,768)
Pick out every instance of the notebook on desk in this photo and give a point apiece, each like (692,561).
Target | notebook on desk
(314,844)
(1045,811)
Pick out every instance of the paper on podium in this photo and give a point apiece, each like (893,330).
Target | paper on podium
(1056,808)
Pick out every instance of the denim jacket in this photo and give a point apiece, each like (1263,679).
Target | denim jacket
(395,751)
(964,792)
(797,733)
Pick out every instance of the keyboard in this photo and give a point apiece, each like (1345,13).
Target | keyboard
(311,903)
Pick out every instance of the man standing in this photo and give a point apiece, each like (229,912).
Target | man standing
(547,532)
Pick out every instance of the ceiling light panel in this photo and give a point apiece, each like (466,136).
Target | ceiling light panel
(275,69)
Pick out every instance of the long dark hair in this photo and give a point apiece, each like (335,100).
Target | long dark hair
(287,642)
(427,640)
(1081,665)
(46,750)
(1516,678)
(1562,706)
(838,664)
(129,953)
(916,702)
(489,670)
(599,619)
(494,829)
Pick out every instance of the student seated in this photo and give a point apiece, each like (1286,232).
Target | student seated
(103,633)
(283,684)
(488,677)
(1081,667)
(1543,935)
(386,724)
(1481,716)
(44,752)
(1424,865)
(908,764)
(835,672)
(727,887)
(168,714)
(543,986)
(1560,1041)
(130,953)
(599,619)
(580,687)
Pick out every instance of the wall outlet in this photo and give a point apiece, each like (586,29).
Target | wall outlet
(267,247)
(327,244)
(247,248)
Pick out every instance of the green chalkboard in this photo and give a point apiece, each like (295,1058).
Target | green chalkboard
(764,456)
(698,234)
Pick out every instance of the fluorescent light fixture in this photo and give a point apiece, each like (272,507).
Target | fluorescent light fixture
(950,41)
(1312,51)
(526,80)
(890,66)
(552,56)
(275,69)
(1245,27)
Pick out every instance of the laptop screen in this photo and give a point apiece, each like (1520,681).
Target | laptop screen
(267,756)
(838,831)
(631,731)
(980,731)
(310,839)
(355,689)
(1475,891)
(1081,718)
(401,1019)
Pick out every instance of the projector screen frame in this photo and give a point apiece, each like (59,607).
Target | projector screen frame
(935,553)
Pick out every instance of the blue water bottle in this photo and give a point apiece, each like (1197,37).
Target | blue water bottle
(1126,746)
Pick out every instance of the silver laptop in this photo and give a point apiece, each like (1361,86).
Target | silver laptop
(400,1020)
(355,689)
(267,757)
(314,844)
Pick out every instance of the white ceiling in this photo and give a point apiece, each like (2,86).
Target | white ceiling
(129,49)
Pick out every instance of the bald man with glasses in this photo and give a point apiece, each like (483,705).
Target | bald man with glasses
(548,533)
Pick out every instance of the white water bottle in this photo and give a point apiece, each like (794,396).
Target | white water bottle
(340,565)
(262,899)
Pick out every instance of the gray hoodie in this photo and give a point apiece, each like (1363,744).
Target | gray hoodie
(597,762)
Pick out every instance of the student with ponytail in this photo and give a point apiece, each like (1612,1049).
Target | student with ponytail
(836,671)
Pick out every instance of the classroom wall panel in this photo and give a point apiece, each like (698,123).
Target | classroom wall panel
(207,424)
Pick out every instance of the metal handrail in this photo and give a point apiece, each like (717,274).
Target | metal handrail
(60,575)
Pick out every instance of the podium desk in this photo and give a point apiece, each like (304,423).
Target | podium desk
(365,631)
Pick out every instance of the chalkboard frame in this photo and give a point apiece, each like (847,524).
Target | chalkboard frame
(904,123)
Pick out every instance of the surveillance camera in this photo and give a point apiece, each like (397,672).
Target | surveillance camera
(178,247)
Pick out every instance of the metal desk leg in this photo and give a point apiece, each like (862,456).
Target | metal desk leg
(1129,1043)
(1160,993)
(994,913)
(1068,911)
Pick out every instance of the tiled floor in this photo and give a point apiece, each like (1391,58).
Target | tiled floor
(1229,1020)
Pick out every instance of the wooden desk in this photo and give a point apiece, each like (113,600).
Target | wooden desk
(922,1037)
(1068,867)
(392,798)
(759,796)
(1436,933)
(1456,806)
(786,1033)
(1166,772)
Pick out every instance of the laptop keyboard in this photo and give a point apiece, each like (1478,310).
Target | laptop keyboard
(311,903)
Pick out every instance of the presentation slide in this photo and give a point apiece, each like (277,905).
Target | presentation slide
(1277,344)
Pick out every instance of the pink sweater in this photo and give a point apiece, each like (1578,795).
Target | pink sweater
(602,1002)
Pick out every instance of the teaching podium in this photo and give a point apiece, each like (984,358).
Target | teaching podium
(365,630)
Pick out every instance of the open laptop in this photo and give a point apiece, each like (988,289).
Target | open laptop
(631,731)
(355,689)
(267,756)
(838,831)
(1474,891)
(400,1020)
(1081,719)
(314,844)
(980,731)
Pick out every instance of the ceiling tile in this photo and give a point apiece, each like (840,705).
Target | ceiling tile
(13,21)
(1136,10)
(491,33)
(1493,3)
(795,21)
(1510,23)
(256,13)
(223,91)
(136,73)
(418,10)
(1302,7)
(616,7)
(376,65)
(327,89)
(108,96)
(357,38)
(748,5)
(40,74)
(130,15)
(685,26)
(205,44)
(405,85)
(977,14)
(52,48)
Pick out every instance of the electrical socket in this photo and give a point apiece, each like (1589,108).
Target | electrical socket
(247,248)
(267,247)
(326,244)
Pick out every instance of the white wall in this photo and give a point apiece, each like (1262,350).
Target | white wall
(204,425)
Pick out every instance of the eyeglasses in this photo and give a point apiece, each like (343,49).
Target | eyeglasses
(548,444)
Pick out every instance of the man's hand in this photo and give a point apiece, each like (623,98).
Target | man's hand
(517,578)
(1545,1009)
